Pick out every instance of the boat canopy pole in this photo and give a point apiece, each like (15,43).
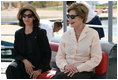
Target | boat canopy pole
(64,16)
(110,12)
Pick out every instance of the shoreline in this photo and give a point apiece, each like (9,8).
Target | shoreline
(10,29)
(46,14)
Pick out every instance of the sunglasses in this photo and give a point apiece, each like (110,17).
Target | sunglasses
(71,16)
(29,15)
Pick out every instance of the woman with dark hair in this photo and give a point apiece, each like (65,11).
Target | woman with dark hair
(32,51)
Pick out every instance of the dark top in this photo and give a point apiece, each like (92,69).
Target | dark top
(34,47)
(95,21)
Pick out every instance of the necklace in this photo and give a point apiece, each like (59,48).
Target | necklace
(77,34)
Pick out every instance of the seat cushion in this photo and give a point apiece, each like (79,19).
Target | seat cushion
(47,75)
(102,67)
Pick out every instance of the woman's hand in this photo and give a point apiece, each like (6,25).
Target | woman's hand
(35,74)
(70,70)
(28,66)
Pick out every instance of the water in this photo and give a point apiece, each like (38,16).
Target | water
(105,26)
(9,18)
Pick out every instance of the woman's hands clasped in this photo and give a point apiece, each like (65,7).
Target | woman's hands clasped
(28,66)
(35,74)
(29,69)
(70,70)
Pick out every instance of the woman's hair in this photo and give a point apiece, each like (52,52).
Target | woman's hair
(81,10)
(35,21)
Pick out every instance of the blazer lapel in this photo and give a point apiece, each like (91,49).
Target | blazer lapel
(83,33)
(72,34)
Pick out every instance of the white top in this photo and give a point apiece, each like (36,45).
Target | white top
(91,13)
(48,26)
(85,54)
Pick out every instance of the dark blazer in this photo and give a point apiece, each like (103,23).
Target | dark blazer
(40,46)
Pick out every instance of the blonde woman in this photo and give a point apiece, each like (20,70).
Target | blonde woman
(79,49)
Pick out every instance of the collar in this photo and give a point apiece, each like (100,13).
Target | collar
(82,35)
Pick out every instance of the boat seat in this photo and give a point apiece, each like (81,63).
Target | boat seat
(100,70)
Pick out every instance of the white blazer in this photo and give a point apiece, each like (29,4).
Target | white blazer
(85,54)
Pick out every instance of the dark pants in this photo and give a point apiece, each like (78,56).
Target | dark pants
(16,71)
(81,75)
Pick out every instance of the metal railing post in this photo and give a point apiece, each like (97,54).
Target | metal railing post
(64,16)
(110,13)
